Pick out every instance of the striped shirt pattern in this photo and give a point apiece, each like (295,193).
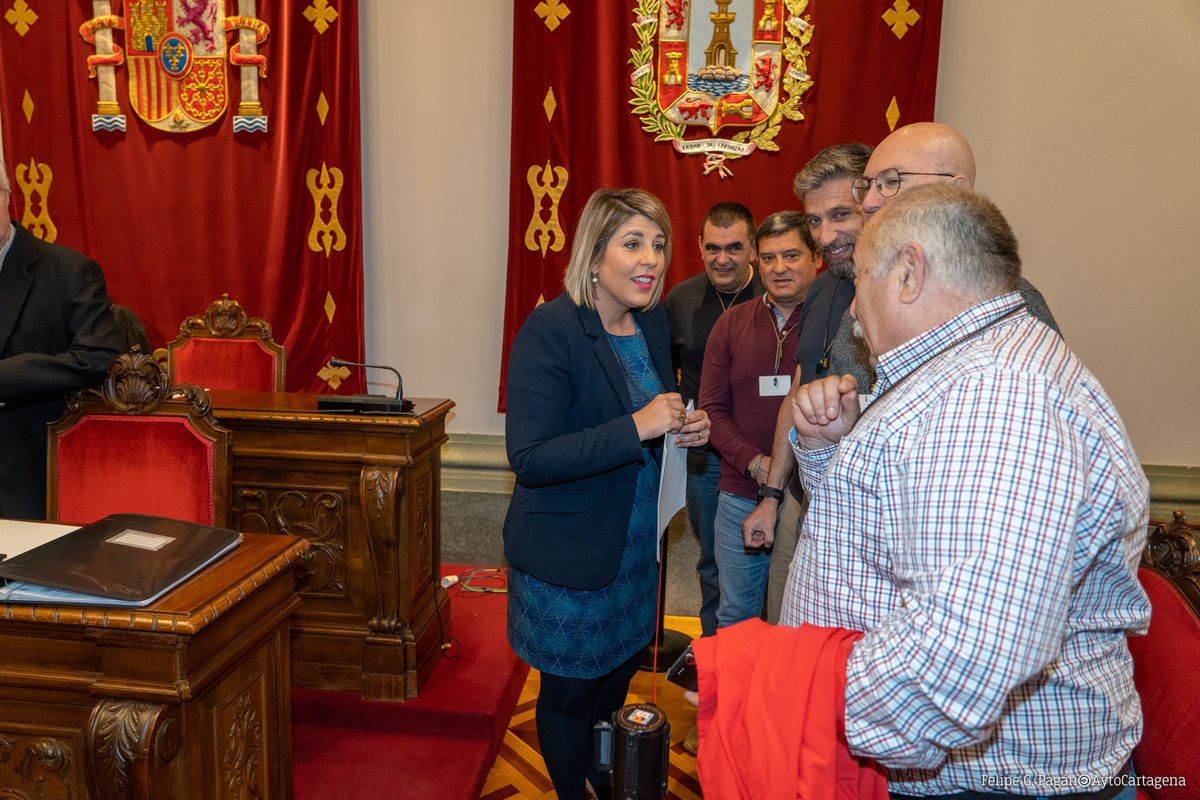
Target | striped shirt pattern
(982,523)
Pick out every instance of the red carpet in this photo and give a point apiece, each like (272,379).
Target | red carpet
(439,744)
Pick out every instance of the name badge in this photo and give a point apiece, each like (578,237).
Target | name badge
(774,385)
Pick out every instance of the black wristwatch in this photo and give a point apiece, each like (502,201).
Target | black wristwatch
(770,491)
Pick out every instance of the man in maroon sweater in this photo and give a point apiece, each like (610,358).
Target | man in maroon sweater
(746,376)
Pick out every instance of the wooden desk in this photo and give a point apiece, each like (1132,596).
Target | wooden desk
(365,491)
(186,698)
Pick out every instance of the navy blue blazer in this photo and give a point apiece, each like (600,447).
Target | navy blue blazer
(572,443)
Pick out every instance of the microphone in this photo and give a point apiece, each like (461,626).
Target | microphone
(366,403)
(338,362)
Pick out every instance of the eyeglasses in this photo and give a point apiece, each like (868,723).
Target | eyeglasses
(887,182)
(789,257)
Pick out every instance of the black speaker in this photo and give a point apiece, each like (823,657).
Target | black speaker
(635,749)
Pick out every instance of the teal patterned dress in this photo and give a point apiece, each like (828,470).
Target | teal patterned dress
(587,634)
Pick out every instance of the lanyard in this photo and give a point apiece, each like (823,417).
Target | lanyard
(827,345)
(780,332)
(733,299)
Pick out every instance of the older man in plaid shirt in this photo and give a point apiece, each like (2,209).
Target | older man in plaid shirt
(981,521)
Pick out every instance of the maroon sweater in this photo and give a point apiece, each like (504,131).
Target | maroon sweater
(740,349)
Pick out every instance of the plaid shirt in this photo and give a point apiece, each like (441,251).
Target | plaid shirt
(982,524)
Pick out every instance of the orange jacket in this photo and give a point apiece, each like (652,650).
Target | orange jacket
(771,716)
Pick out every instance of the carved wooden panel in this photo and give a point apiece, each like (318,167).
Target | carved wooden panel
(130,745)
(381,488)
(244,715)
(39,767)
(242,765)
(424,528)
(317,514)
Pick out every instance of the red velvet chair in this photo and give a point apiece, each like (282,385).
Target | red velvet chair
(225,349)
(1165,661)
(138,445)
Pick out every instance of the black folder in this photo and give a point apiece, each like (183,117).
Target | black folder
(123,559)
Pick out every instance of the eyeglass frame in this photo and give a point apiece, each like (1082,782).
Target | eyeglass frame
(862,184)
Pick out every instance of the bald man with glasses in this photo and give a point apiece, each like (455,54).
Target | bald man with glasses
(919,154)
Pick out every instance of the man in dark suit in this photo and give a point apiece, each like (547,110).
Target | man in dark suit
(693,307)
(56,334)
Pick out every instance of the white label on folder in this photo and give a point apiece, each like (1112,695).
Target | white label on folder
(140,539)
(774,385)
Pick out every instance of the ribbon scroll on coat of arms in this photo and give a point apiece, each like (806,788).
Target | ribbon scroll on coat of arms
(707,67)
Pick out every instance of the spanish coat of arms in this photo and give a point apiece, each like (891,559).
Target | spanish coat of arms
(175,53)
(707,66)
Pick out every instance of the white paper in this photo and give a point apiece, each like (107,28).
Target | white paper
(17,536)
(672,483)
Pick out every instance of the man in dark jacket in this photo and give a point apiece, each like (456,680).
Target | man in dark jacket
(693,307)
(57,333)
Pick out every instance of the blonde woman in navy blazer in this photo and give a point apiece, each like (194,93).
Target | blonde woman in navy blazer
(588,404)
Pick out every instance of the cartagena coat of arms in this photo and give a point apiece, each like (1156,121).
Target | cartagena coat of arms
(703,67)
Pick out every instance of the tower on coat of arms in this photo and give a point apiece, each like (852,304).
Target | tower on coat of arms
(175,55)
(707,66)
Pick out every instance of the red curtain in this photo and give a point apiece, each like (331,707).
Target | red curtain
(181,209)
(866,68)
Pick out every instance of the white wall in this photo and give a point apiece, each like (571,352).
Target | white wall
(1085,117)
(436,93)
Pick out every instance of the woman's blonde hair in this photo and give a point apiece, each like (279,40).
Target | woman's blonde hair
(605,212)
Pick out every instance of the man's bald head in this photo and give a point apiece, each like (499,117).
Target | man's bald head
(924,152)
(937,145)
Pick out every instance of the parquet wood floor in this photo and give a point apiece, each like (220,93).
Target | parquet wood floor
(520,774)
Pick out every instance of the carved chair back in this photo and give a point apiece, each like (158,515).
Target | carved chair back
(1165,660)
(225,349)
(138,444)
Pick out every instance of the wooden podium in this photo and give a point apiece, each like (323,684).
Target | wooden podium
(365,491)
(185,699)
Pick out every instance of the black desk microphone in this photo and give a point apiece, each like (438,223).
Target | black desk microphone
(366,403)
(337,362)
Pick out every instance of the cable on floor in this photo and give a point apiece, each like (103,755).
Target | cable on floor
(484,579)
